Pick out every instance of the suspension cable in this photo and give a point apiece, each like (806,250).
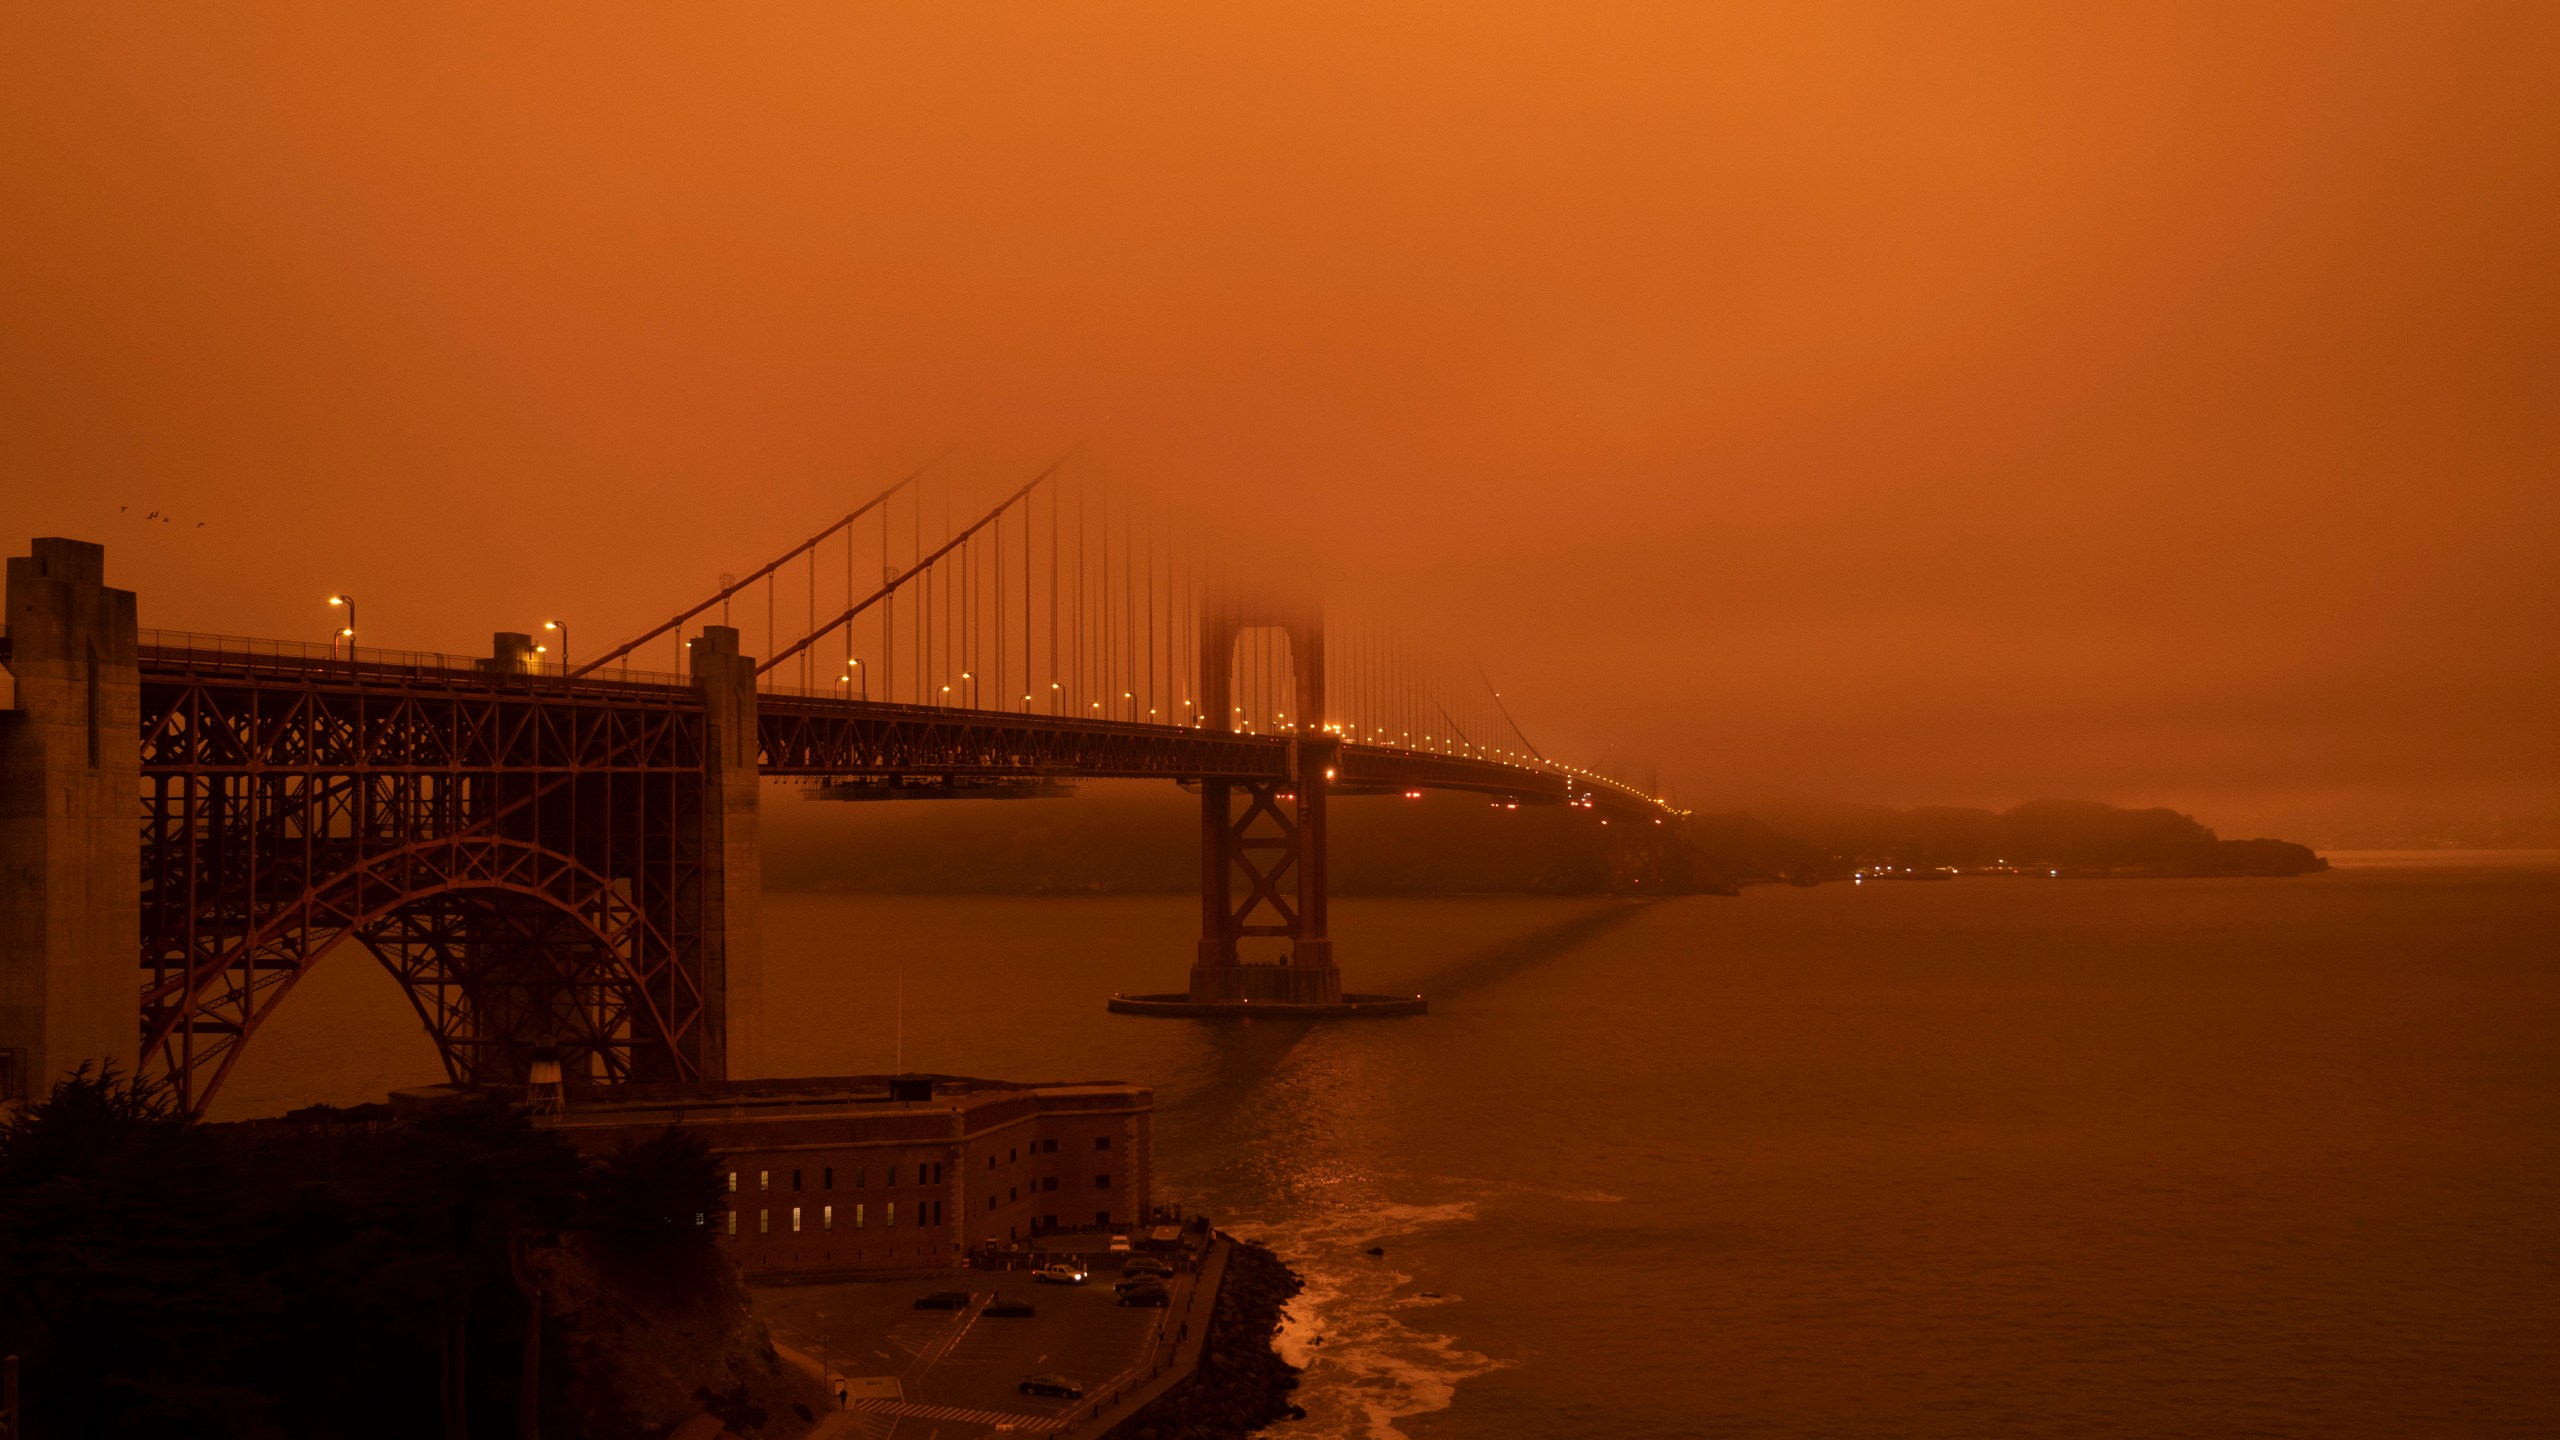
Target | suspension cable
(914,570)
(734,587)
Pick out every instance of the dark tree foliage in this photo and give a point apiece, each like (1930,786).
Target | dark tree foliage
(87,1116)
(647,1200)
(162,1277)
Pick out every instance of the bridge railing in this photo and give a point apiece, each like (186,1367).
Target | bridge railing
(320,660)
(300,657)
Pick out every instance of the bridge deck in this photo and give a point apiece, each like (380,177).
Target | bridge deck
(219,704)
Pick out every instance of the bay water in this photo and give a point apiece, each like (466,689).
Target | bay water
(1982,1157)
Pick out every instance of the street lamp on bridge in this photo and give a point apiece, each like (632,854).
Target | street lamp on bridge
(561,626)
(348,630)
(856,676)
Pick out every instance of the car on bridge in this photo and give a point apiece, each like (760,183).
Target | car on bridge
(1054,1385)
(1064,1274)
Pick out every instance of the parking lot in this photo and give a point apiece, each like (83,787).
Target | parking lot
(956,1372)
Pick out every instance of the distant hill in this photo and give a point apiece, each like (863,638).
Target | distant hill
(1134,838)
(2070,835)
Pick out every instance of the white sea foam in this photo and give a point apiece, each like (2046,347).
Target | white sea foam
(1366,1369)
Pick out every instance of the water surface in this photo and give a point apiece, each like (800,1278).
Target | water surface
(2124,1158)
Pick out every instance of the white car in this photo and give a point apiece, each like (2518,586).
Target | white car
(1059,1275)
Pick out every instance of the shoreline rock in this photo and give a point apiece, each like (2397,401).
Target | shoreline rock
(1242,1384)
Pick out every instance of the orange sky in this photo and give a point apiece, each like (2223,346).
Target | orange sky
(1935,403)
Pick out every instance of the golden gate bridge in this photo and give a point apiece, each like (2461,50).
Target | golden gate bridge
(559,852)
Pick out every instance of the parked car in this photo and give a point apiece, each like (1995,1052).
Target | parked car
(1138,1282)
(1145,1265)
(945,1300)
(1067,1274)
(1155,1295)
(1009,1310)
(1057,1385)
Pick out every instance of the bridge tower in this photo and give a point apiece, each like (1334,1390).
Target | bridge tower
(70,854)
(732,871)
(1275,845)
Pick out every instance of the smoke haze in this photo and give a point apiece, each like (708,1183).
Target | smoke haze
(1907,404)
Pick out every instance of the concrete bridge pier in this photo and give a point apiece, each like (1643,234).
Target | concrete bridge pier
(732,870)
(70,851)
(1267,837)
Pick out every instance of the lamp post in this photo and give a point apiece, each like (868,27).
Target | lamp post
(563,627)
(348,630)
(857,677)
(1057,698)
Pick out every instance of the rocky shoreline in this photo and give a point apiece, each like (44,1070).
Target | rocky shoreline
(1242,1384)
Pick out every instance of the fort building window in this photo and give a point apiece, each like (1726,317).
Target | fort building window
(733,1182)
(764,1179)
(826,1217)
(1049,1147)
(1101,1142)
(889,1214)
(1101,1217)
(733,1221)
(1050,1183)
(827,1178)
(795,1179)
(892,1177)
(1102,1182)
(764,1222)
(857,1217)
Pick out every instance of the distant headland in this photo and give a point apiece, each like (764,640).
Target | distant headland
(1134,839)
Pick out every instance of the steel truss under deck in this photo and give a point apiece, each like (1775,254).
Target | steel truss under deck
(525,853)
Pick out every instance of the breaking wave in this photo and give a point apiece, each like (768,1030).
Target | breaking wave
(1366,1367)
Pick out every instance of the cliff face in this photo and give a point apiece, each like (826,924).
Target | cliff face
(643,1348)
(352,1273)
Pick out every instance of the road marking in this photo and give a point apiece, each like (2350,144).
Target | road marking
(932,1355)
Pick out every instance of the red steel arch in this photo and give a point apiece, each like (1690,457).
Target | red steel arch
(629,1007)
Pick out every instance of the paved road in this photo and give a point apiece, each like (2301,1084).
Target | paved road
(956,1371)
